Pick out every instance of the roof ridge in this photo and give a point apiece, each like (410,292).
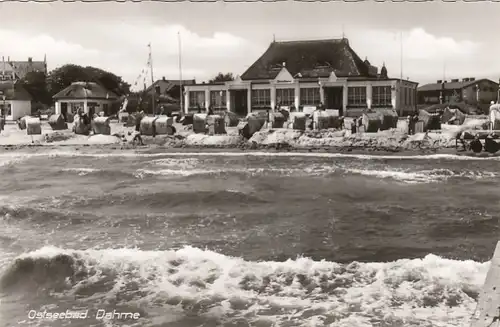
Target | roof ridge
(312,40)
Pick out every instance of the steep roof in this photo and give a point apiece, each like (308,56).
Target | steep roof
(451,85)
(22,68)
(14,92)
(312,59)
(85,90)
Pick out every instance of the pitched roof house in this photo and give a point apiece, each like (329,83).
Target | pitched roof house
(15,101)
(169,86)
(89,96)
(10,70)
(305,74)
(477,92)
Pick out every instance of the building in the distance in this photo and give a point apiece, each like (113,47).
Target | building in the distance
(15,101)
(468,90)
(305,74)
(15,70)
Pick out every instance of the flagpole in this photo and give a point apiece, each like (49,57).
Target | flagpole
(152,78)
(401,76)
(180,73)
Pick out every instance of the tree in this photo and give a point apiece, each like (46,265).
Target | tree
(222,78)
(36,85)
(62,77)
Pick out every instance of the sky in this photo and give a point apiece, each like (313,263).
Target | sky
(428,40)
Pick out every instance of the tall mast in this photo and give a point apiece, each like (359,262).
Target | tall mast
(152,78)
(401,98)
(180,73)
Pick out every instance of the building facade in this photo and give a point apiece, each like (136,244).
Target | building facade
(15,70)
(469,90)
(304,74)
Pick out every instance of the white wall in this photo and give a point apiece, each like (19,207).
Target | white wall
(19,109)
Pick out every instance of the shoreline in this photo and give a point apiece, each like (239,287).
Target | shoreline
(391,142)
(269,148)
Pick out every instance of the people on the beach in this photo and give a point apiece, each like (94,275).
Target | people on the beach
(354,125)
(411,121)
(476,146)
(461,138)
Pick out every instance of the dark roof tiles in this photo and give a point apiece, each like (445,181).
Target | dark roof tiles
(451,85)
(14,92)
(315,58)
(85,90)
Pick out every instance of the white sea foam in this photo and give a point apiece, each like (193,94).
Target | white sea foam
(123,153)
(423,176)
(302,292)
(81,171)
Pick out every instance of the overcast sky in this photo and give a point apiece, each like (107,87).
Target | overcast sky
(458,39)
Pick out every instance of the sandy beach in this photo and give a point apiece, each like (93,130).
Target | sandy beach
(390,141)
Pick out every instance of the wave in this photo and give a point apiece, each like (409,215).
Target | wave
(405,176)
(170,200)
(300,292)
(82,171)
(122,153)
(424,176)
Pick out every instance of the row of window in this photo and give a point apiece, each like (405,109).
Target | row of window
(217,99)
(356,96)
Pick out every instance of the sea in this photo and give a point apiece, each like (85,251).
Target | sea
(117,238)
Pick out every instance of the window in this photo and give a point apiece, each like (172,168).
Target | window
(7,110)
(356,96)
(197,98)
(217,100)
(381,95)
(261,99)
(309,96)
(285,97)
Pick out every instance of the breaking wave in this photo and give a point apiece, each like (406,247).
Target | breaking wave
(424,176)
(190,282)
(123,153)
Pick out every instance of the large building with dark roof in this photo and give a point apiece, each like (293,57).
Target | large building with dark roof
(305,74)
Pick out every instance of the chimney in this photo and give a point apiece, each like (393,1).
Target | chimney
(472,79)
(465,79)
(163,78)
(30,60)
(454,80)
(439,81)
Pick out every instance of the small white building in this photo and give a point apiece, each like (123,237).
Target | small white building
(305,74)
(15,101)
(88,96)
